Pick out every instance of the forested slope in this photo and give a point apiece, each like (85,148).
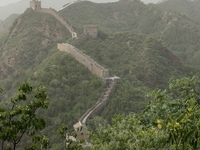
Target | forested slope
(141,62)
(28,53)
(178,33)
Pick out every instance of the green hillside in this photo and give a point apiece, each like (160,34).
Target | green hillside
(140,61)
(139,56)
(28,53)
(178,33)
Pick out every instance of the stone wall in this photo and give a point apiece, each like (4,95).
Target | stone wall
(91,30)
(80,39)
(84,59)
(67,25)
(100,104)
(35,4)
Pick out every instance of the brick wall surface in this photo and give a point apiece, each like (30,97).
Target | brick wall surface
(84,59)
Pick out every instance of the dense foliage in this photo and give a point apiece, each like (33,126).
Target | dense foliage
(170,121)
(29,53)
(132,55)
(20,125)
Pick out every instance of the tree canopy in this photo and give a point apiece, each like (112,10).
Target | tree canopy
(170,121)
(19,122)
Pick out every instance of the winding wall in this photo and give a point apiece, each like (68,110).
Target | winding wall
(100,104)
(61,20)
(84,59)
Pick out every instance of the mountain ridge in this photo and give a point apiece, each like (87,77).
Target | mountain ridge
(178,33)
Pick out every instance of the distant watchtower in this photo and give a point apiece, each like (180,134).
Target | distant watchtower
(91,30)
(35,4)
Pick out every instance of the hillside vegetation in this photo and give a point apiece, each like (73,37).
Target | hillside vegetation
(28,53)
(178,33)
(140,61)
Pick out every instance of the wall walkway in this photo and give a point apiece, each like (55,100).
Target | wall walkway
(61,20)
(84,59)
(100,104)
(80,127)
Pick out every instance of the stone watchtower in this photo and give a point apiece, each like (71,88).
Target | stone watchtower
(91,30)
(35,4)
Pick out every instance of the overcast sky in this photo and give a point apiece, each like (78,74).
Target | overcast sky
(6,2)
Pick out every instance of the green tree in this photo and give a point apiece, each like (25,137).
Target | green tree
(176,110)
(69,144)
(20,124)
(170,121)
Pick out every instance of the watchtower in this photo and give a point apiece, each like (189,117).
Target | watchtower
(91,30)
(81,131)
(35,4)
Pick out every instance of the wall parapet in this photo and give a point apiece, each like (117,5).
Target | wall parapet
(84,59)
(67,25)
(100,104)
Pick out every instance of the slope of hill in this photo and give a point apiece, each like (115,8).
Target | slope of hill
(178,33)
(139,60)
(7,23)
(137,55)
(28,53)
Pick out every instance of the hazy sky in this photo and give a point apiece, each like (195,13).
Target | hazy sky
(5,2)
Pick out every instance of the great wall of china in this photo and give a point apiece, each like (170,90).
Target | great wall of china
(84,59)
(88,62)
(60,19)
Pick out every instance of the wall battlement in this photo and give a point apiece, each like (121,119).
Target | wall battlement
(91,30)
(84,59)
(35,4)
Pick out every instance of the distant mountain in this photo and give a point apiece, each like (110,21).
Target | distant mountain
(13,8)
(189,8)
(7,23)
(21,6)
(177,32)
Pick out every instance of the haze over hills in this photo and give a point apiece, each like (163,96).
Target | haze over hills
(19,6)
(7,23)
(189,8)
